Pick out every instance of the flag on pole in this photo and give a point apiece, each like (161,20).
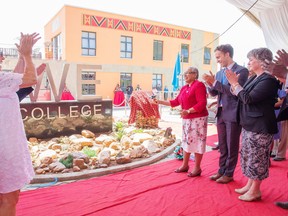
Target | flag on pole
(176,73)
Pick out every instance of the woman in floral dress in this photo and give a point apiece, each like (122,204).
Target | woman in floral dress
(193,100)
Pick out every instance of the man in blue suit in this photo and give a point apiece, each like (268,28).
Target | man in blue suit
(227,127)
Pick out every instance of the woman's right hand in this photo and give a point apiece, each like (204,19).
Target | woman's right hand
(155,101)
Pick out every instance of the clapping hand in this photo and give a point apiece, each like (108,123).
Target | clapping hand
(282,58)
(278,67)
(209,78)
(231,77)
(27,41)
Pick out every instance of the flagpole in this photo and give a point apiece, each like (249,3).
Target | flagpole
(182,70)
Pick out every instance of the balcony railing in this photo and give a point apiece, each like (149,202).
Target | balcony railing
(12,52)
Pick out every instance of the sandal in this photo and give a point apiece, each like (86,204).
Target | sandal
(194,174)
(179,170)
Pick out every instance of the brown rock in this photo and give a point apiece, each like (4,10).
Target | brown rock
(87,134)
(39,171)
(122,158)
(56,147)
(168,142)
(79,163)
(33,139)
(76,169)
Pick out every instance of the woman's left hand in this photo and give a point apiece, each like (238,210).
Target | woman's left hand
(184,113)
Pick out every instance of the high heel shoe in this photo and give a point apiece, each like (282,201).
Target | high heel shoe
(179,170)
(194,174)
(241,190)
(249,198)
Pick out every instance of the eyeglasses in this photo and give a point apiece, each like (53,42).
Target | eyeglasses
(192,72)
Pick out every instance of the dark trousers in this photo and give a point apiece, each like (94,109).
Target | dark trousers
(228,139)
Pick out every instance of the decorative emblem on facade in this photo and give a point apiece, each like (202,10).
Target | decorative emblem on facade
(125,25)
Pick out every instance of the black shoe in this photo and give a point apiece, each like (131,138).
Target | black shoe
(215,148)
(283,205)
(278,159)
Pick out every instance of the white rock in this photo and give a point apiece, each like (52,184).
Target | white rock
(104,156)
(150,145)
(141,137)
(48,153)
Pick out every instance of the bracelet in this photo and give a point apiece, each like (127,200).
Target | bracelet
(235,85)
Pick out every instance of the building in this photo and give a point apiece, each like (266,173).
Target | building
(125,50)
(102,49)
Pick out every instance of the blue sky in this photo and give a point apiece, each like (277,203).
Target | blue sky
(209,15)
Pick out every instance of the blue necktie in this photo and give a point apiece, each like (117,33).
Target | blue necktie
(223,81)
(223,78)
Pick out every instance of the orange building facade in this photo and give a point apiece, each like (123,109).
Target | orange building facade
(105,49)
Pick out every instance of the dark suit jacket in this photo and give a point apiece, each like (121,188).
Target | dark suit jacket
(229,101)
(256,104)
(283,114)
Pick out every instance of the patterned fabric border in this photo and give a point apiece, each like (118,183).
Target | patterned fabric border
(124,25)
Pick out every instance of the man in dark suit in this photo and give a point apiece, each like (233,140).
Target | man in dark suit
(227,127)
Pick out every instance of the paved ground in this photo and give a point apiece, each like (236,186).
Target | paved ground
(168,119)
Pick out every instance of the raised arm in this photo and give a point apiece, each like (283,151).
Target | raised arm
(25,51)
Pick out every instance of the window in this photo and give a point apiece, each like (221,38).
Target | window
(207,55)
(88,82)
(125,80)
(158,50)
(88,43)
(157,81)
(57,48)
(88,75)
(126,47)
(88,89)
(185,53)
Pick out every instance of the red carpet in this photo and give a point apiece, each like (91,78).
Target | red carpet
(157,190)
(212,140)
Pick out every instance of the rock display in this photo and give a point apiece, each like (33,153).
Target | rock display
(90,151)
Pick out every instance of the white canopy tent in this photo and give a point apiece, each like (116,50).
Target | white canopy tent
(272,16)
